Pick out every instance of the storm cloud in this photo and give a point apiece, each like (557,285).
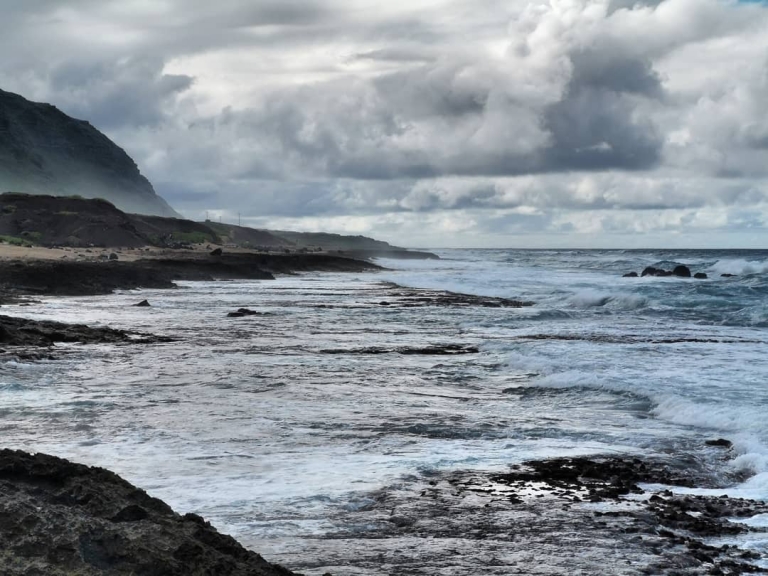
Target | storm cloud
(500,122)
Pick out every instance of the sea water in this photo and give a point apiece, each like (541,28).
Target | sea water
(278,427)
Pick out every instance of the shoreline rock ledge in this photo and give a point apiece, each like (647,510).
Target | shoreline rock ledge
(60,518)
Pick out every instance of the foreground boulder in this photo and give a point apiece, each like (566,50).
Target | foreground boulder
(60,518)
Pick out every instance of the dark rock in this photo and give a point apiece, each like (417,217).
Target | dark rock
(143,304)
(64,518)
(437,350)
(630,275)
(722,442)
(700,276)
(651,271)
(727,275)
(217,252)
(113,256)
(23,332)
(682,271)
(243,312)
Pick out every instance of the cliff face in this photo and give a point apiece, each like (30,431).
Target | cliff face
(44,151)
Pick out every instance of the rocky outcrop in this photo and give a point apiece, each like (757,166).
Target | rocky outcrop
(44,151)
(679,271)
(59,518)
(24,332)
(74,278)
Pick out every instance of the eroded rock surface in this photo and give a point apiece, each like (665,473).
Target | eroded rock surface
(58,518)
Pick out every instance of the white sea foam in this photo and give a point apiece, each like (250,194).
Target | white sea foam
(739,267)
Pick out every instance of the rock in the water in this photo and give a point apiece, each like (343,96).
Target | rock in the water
(24,332)
(64,518)
(113,256)
(143,304)
(727,275)
(651,271)
(700,276)
(630,275)
(682,271)
(243,312)
(217,252)
(721,442)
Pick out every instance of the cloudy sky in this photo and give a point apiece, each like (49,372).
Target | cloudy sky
(532,123)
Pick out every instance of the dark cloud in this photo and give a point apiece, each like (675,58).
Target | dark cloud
(132,92)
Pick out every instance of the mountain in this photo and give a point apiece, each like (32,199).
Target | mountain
(44,151)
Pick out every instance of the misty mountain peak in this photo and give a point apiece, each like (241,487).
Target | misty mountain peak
(44,151)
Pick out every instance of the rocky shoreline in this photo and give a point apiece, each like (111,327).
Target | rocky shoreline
(20,278)
(58,518)
(618,515)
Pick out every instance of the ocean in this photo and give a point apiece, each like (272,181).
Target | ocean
(281,428)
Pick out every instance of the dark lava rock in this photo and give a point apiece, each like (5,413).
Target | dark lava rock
(651,271)
(727,275)
(415,298)
(23,332)
(700,276)
(113,256)
(436,350)
(721,442)
(59,518)
(243,312)
(682,271)
(630,275)
(679,271)
(143,304)
(217,252)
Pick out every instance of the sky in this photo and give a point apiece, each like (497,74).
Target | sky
(432,123)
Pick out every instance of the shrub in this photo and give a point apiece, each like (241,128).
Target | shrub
(14,241)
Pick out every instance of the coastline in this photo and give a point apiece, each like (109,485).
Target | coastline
(29,272)
(527,517)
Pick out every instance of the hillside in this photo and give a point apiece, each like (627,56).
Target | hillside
(328,241)
(354,246)
(41,220)
(70,221)
(44,151)
(249,237)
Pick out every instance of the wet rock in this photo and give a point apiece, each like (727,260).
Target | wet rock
(436,350)
(630,275)
(727,275)
(721,442)
(652,271)
(417,298)
(682,271)
(113,256)
(64,518)
(700,276)
(24,332)
(217,252)
(541,511)
(241,312)
(143,304)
